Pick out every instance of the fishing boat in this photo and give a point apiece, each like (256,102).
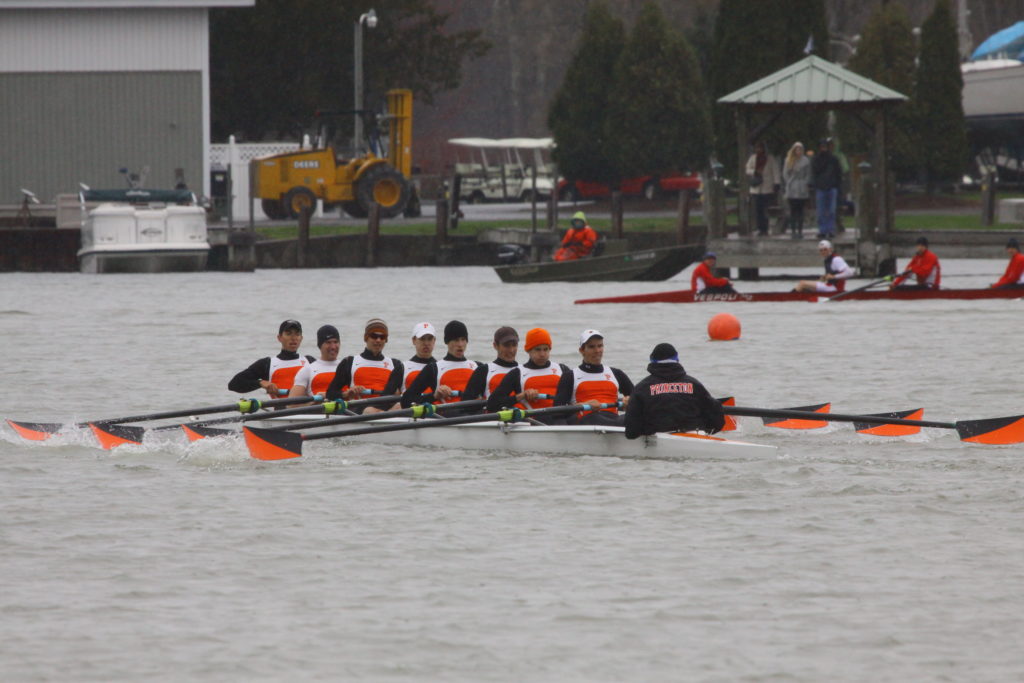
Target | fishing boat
(136,230)
(646,265)
(686,296)
(525,437)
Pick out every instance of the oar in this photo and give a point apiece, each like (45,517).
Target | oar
(799,424)
(992,431)
(268,444)
(840,295)
(40,431)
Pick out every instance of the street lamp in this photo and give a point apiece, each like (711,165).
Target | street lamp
(370,20)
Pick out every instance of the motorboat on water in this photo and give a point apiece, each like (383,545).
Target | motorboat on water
(136,230)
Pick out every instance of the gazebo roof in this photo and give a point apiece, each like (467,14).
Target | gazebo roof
(812,82)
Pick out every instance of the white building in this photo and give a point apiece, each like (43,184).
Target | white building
(93,86)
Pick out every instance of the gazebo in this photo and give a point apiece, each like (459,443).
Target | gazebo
(816,83)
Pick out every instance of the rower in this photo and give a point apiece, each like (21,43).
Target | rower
(703,280)
(1013,278)
(274,373)
(448,375)
(371,372)
(314,378)
(487,376)
(669,400)
(837,271)
(423,339)
(925,266)
(538,376)
(593,383)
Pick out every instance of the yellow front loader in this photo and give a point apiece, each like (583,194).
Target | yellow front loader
(290,182)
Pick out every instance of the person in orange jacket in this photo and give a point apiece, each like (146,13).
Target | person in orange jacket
(703,280)
(1014,275)
(925,266)
(579,239)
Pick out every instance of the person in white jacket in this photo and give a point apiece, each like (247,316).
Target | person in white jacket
(764,179)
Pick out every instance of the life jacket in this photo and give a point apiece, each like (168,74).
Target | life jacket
(495,373)
(454,374)
(282,372)
(595,386)
(414,367)
(839,284)
(544,380)
(372,374)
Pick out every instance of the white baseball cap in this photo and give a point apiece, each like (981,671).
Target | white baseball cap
(825,244)
(422,330)
(587,335)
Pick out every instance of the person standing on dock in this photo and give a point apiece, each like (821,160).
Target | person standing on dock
(371,372)
(826,178)
(314,378)
(579,239)
(274,373)
(669,400)
(764,180)
(925,266)
(796,176)
(594,383)
(448,375)
(703,280)
(1013,278)
(837,271)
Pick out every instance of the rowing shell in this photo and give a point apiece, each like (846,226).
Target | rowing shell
(686,296)
(524,437)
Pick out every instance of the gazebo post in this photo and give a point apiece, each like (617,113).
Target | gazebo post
(743,209)
(882,173)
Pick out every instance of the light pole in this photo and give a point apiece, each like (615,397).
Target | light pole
(370,20)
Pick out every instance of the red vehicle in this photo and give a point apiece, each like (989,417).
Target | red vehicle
(647,186)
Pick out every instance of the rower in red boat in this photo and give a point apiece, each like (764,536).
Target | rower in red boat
(369,372)
(837,271)
(594,383)
(1013,278)
(703,280)
(274,372)
(316,377)
(925,266)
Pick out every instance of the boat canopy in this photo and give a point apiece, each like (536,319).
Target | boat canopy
(1008,43)
(135,195)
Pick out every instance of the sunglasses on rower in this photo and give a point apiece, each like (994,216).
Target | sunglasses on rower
(377,335)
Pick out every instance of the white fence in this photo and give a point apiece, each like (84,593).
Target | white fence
(237,157)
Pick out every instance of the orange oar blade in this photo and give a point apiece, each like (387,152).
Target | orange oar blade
(35,431)
(111,436)
(995,431)
(730,421)
(267,444)
(197,432)
(891,430)
(797,423)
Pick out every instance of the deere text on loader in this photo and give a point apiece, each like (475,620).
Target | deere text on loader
(290,182)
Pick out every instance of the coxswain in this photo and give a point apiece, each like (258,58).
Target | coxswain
(703,280)
(274,373)
(669,400)
(837,271)
(579,239)
(593,383)
(448,375)
(1014,275)
(371,372)
(314,378)
(487,376)
(925,266)
(538,376)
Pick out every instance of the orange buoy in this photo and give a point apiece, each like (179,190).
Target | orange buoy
(724,327)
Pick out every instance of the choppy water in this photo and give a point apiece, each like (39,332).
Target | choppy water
(843,558)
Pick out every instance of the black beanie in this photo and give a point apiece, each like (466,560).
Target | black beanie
(326,332)
(664,352)
(454,330)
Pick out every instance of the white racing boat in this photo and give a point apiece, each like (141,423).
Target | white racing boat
(523,437)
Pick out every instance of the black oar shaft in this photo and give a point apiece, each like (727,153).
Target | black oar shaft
(205,410)
(833,417)
(369,417)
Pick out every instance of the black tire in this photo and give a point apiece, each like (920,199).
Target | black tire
(476,197)
(352,208)
(385,186)
(274,209)
(297,199)
(413,209)
(651,190)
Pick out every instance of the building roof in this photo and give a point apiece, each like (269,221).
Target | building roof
(812,81)
(120,4)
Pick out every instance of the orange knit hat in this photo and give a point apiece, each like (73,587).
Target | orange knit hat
(536,337)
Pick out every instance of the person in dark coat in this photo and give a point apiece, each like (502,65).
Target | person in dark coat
(669,400)
(826,178)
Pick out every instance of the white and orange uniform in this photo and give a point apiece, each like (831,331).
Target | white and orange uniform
(413,367)
(280,369)
(455,374)
(486,378)
(527,376)
(364,370)
(282,372)
(589,382)
(317,376)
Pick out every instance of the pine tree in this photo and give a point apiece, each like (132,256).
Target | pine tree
(941,128)
(578,111)
(886,54)
(658,117)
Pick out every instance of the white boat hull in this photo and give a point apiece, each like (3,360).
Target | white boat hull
(160,260)
(572,440)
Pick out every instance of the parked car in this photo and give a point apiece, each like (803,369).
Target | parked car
(647,186)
